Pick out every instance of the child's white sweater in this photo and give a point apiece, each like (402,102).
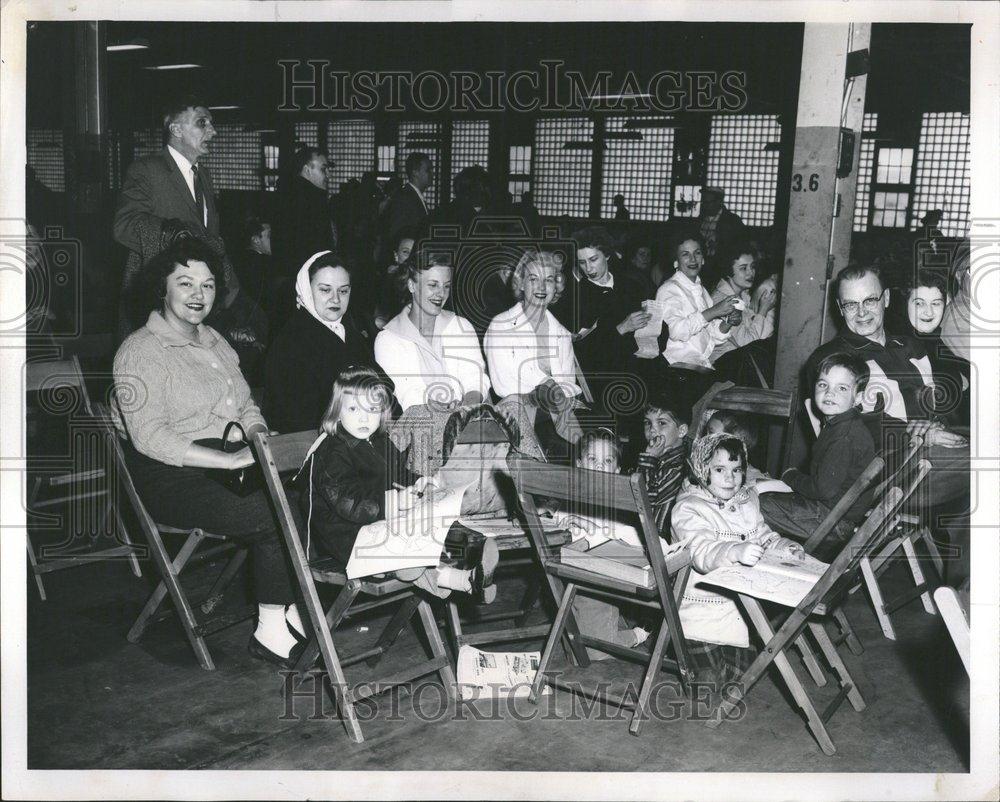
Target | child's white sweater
(711,530)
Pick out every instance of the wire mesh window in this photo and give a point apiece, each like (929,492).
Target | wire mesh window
(146,142)
(423,137)
(236,158)
(563,161)
(889,209)
(386,159)
(687,200)
(351,147)
(114,161)
(470,145)
(866,163)
(520,160)
(45,157)
(272,161)
(942,180)
(740,164)
(637,163)
(307,134)
(895,166)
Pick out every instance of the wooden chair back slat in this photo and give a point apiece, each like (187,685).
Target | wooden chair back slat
(482,431)
(289,450)
(781,405)
(853,493)
(55,375)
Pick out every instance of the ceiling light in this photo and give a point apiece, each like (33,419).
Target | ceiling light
(131,44)
(223,108)
(175,67)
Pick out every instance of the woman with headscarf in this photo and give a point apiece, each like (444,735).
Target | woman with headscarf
(318,342)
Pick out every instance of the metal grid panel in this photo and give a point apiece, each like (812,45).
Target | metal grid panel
(307,134)
(45,156)
(470,145)
(562,177)
(236,158)
(739,164)
(424,137)
(351,146)
(942,180)
(146,142)
(866,162)
(638,168)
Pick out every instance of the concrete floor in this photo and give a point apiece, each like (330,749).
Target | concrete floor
(97,701)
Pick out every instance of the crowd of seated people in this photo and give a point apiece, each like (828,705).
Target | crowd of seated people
(552,324)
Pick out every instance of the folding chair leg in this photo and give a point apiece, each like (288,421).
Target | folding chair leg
(437,647)
(555,634)
(847,632)
(334,616)
(875,593)
(34,566)
(528,602)
(792,682)
(809,660)
(926,535)
(454,625)
(170,584)
(837,664)
(652,671)
(399,620)
(132,558)
(338,681)
(918,574)
(224,579)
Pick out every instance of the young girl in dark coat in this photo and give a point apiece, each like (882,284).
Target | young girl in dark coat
(350,468)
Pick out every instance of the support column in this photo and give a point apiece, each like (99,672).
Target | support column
(821,206)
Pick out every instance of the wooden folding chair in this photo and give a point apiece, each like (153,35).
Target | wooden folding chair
(812,612)
(53,486)
(607,492)
(752,401)
(283,454)
(954,607)
(196,628)
(909,529)
(515,547)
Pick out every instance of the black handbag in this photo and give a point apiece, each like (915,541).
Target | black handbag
(242,481)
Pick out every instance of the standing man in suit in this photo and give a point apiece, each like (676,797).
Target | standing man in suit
(304,225)
(168,192)
(407,209)
(719,227)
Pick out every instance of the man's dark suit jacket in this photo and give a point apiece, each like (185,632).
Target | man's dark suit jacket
(155,191)
(302,227)
(405,210)
(155,188)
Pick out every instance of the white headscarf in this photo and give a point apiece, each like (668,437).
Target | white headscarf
(304,297)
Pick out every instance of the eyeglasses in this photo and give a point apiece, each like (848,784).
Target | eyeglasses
(870,304)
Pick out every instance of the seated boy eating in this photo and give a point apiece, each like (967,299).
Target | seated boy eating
(842,451)
(662,463)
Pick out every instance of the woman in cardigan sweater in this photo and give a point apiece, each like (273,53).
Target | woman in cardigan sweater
(178,384)
(317,343)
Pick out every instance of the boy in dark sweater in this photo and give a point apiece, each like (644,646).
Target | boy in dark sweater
(662,463)
(842,451)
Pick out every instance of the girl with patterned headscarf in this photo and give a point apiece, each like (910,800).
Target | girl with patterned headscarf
(719,521)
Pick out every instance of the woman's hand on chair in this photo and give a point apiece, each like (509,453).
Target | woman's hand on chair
(723,308)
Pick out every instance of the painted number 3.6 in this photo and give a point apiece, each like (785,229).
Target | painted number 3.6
(797,183)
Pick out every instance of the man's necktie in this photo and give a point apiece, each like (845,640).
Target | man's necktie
(199,196)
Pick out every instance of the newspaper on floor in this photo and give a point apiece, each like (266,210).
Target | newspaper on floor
(777,577)
(483,675)
(412,539)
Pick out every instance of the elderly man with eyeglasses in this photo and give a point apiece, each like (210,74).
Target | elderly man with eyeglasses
(900,394)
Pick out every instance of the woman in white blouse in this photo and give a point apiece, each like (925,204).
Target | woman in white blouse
(432,355)
(696,325)
(529,353)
